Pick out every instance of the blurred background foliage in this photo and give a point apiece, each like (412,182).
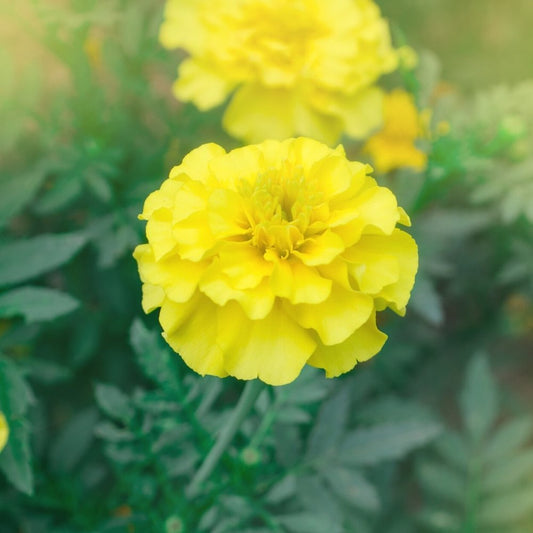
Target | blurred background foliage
(107,424)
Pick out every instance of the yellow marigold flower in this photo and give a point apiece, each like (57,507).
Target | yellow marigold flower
(272,256)
(4,431)
(393,147)
(303,67)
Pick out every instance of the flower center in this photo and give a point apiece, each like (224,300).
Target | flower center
(284,208)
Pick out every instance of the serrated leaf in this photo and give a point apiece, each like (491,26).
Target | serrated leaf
(391,409)
(440,520)
(313,494)
(290,414)
(507,508)
(155,360)
(15,393)
(114,402)
(108,431)
(15,459)
(26,259)
(73,441)
(310,387)
(36,304)
(47,372)
(17,191)
(65,190)
(308,523)
(507,439)
(442,481)
(351,486)
(505,474)
(99,186)
(451,446)
(386,442)
(478,400)
(330,424)
(282,490)
(426,301)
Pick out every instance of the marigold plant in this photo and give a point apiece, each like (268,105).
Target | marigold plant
(304,67)
(4,431)
(272,256)
(394,146)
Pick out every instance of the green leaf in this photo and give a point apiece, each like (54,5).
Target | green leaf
(290,414)
(155,359)
(451,446)
(330,424)
(64,191)
(282,490)
(36,304)
(108,431)
(351,486)
(507,439)
(505,474)
(309,523)
(440,520)
(114,402)
(426,301)
(15,459)
(313,494)
(26,259)
(386,442)
(478,400)
(17,191)
(73,441)
(506,508)
(15,394)
(442,481)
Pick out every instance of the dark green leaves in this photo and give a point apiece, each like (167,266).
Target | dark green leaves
(36,304)
(23,260)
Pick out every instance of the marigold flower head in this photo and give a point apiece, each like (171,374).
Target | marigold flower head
(273,256)
(394,146)
(4,431)
(303,67)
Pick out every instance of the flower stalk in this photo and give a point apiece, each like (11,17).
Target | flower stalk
(247,400)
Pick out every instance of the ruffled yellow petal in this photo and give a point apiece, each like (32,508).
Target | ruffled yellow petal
(152,298)
(363,112)
(365,342)
(256,300)
(195,164)
(182,26)
(336,318)
(199,83)
(299,283)
(274,349)
(199,351)
(404,248)
(256,113)
(320,250)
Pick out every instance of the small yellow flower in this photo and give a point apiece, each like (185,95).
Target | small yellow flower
(274,256)
(302,67)
(4,431)
(394,146)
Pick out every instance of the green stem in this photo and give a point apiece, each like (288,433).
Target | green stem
(246,401)
(268,419)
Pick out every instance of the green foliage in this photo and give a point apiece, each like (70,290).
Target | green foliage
(481,478)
